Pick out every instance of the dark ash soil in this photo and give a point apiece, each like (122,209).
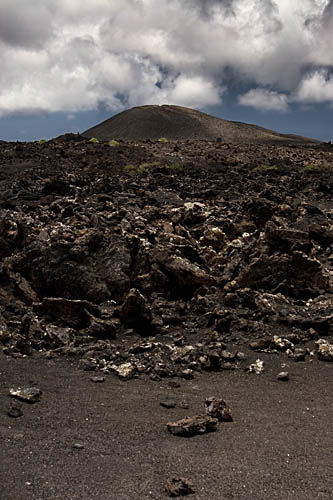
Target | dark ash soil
(155,264)
(278,446)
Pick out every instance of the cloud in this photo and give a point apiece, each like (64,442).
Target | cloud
(316,88)
(264,100)
(192,91)
(321,28)
(25,24)
(73,56)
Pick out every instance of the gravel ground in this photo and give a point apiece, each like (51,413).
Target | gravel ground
(278,446)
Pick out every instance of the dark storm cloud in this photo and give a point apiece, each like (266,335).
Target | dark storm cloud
(25,24)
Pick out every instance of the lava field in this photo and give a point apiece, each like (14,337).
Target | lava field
(162,259)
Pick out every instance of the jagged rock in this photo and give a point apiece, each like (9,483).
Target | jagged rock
(102,328)
(217,408)
(214,237)
(59,336)
(136,313)
(298,275)
(299,354)
(141,348)
(186,374)
(68,271)
(213,358)
(125,371)
(257,367)
(282,343)
(190,426)
(26,394)
(88,364)
(178,487)
(115,267)
(4,331)
(260,344)
(325,350)
(323,235)
(228,356)
(180,354)
(172,248)
(72,312)
(10,234)
(184,276)
(24,289)
(168,403)
(285,238)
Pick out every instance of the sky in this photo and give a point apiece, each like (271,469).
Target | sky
(68,65)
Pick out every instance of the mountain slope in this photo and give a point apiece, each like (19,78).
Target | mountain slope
(179,123)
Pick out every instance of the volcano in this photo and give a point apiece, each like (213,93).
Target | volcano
(180,123)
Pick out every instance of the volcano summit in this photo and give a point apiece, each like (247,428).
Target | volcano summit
(180,123)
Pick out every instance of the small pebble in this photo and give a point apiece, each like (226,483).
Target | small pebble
(98,379)
(186,374)
(299,354)
(15,412)
(168,403)
(178,487)
(78,446)
(284,376)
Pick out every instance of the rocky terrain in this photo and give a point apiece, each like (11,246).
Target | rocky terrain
(161,258)
(143,287)
(180,123)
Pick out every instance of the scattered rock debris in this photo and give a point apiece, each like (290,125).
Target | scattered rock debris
(257,367)
(168,403)
(26,394)
(125,371)
(283,376)
(325,350)
(217,408)
(98,379)
(299,354)
(178,487)
(78,446)
(190,426)
(15,411)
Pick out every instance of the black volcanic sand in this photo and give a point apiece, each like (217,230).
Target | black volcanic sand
(155,264)
(278,446)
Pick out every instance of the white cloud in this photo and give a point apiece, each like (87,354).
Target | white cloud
(191,91)
(73,55)
(265,100)
(315,88)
